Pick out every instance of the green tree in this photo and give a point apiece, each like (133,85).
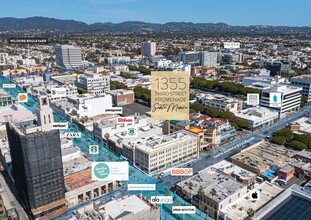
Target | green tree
(304,138)
(81,90)
(297,145)
(251,212)
(285,133)
(200,193)
(146,97)
(113,87)
(191,111)
(96,125)
(197,107)
(234,125)
(227,115)
(190,187)
(212,112)
(138,94)
(303,101)
(242,123)
(213,192)
(192,96)
(278,140)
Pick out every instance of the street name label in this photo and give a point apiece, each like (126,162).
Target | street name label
(141,187)
(162,199)
(110,171)
(9,86)
(29,40)
(232,45)
(73,135)
(169,95)
(115,110)
(60,125)
(183,210)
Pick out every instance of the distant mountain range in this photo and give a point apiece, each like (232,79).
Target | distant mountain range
(52,24)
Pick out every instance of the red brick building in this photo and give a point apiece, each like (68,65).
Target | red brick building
(122,97)
(304,155)
(286,173)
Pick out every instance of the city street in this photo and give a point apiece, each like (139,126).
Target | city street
(235,146)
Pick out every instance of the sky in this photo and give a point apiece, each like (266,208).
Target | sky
(232,12)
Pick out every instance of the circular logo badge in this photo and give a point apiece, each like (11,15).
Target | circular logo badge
(101,170)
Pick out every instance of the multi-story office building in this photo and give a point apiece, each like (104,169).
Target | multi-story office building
(290,98)
(221,102)
(148,49)
(94,83)
(68,56)
(305,83)
(37,161)
(208,59)
(279,67)
(157,152)
(258,117)
(189,57)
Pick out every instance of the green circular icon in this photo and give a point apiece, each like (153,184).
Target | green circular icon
(101,170)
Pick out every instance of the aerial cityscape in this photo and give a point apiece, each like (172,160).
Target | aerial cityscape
(125,110)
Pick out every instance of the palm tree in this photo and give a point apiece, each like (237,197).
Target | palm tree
(200,194)
(251,212)
(190,186)
(213,192)
(82,120)
(86,119)
(106,136)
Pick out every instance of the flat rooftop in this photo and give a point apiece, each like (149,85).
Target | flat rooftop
(305,153)
(265,154)
(209,179)
(159,141)
(238,209)
(118,207)
(78,180)
(230,168)
(294,203)
(256,113)
(305,125)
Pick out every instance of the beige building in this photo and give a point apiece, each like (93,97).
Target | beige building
(221,102)
(158,152)
(80,187)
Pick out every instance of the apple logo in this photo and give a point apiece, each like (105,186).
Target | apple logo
(255,195)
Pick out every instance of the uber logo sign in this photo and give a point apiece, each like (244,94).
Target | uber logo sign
(162,199)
